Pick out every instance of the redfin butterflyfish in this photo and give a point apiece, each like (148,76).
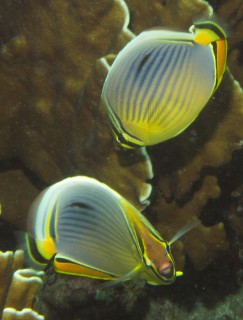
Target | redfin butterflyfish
(90,230)
(161,80)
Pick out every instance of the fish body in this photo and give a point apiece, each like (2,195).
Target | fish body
(161,80)
(92,231)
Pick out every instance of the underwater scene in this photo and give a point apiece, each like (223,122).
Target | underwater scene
(121,144)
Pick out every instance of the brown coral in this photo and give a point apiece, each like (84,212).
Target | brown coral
(70,297)
(15,182)
(186,167)
(201,244)
(209,142)
(18,287)
(166,14)
(235,214)
(51,123)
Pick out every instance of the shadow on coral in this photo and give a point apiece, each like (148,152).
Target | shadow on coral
(17,164)
(7,240)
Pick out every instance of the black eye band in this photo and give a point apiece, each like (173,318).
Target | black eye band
(168,248)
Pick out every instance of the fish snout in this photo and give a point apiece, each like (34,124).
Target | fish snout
(166,269)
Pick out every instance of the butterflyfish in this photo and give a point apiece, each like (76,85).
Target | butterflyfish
(89,230)
(161,80)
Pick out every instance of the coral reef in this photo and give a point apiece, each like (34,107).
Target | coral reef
(186,168)
(231,309)
(201,155)
(15,182)
(168,14)
(52,125)
(210,240)
(18,287)
(235,214)
(69,297)
(25,314)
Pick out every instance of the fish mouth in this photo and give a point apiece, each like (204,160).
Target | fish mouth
(166,269)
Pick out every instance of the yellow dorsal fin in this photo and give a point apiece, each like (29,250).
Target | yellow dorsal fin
(207,32)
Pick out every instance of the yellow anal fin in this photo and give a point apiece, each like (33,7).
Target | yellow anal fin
(62,265)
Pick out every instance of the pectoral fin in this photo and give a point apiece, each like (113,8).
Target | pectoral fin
(128,276)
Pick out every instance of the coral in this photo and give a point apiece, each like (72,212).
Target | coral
(210,240)
(52,125)
(199,151)
(69,297)
(235,214)
(201,155)
(187,167)
(15,182)
(18,287)
(54,58)
(229,309)
(25,314)
(173,14)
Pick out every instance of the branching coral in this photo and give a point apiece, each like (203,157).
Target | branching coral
(18,287)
